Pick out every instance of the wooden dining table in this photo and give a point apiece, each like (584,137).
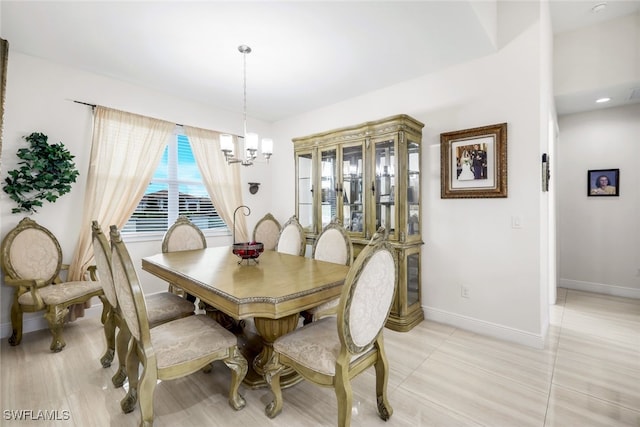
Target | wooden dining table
(272,291)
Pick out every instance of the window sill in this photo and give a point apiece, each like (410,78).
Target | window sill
(157,236)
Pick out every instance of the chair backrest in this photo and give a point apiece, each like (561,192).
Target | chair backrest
(291,239)
(367,295)
(183,235)
(266,232)
(102,255)
(30,251)
(128,290)
(333,245)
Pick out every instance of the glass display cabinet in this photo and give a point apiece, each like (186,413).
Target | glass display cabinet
(368,176)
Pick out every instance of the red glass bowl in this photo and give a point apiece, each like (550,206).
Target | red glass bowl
(248,250)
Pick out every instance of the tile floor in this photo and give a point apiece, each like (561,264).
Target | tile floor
(588,374)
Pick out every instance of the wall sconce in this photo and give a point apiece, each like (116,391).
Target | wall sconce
(253,187)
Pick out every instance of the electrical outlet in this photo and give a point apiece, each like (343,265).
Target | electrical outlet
(464,292)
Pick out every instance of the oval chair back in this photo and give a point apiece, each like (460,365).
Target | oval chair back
(291,239)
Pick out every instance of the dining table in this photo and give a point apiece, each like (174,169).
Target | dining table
(272,290)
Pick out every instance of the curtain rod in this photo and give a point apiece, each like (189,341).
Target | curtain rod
(94,106)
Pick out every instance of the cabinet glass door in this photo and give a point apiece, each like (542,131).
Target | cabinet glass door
(353,215)
(385,185)
(413,189)
(304,164)
(413,278)
(328,186)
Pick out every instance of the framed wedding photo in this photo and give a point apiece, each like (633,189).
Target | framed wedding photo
(603,182)
(473,162)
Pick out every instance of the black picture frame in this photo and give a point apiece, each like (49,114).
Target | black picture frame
(598,187)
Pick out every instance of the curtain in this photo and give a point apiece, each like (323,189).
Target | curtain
(221,180)
(125,152)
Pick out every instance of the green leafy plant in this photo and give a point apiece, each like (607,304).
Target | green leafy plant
(46,172)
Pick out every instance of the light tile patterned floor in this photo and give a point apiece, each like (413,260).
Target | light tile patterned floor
(588,374)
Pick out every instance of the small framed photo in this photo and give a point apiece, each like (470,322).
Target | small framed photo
(603,182)
(356,221)
(473,162)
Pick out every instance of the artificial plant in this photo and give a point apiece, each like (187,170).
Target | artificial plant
(46,172)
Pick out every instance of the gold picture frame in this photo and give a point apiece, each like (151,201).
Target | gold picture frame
(4,53)
(473,162)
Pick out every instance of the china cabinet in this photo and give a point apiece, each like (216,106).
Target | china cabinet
(368,176)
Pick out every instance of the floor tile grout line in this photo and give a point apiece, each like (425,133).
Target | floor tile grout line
(555,356)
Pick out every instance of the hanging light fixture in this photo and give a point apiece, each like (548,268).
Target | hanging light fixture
(250,138)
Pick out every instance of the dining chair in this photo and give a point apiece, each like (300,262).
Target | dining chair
(291,239)
(332,245)
(169,351)
(266,232)
(32,263)
(333,350)
(183,235)
(162,307)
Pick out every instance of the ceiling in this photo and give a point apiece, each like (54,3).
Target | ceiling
(305,54)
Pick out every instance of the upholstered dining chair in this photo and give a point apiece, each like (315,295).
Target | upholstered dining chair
(266,231)
(32,262)
(291,239)
(183,235)
(162,307)
(332,245)
(172,350)
(333,350)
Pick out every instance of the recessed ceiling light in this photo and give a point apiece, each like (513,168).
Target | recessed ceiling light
(599,7)
(602,100)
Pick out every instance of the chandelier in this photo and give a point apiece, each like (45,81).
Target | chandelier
(250,138)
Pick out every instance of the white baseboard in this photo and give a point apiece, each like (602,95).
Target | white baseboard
(485,328)
(599,288)
(36,321)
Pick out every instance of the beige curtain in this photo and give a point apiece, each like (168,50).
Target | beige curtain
(125,151)
(221,180)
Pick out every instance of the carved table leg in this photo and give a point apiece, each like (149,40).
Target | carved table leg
(270,330)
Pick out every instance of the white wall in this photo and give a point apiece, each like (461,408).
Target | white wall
(600,236)
(468,242)
(39,99)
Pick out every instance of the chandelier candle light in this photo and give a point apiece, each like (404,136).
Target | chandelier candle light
(250,138)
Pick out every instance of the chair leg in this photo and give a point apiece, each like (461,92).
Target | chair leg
(344,396)
(382,378)
(110,337)
(122,343)
(16,323)
(239,366)
(147,387)
(128,403)
(272,372)
(55,316)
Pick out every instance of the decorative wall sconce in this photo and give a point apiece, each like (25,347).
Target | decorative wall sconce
(253,187)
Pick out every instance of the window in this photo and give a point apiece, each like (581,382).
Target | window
(176,189)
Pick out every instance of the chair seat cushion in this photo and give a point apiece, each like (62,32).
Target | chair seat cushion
(165,306)
(62,292)
(189,338)
(315,346)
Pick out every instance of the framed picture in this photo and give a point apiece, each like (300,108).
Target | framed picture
(356,221)
(473,162)
(4,53)
(603,182)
